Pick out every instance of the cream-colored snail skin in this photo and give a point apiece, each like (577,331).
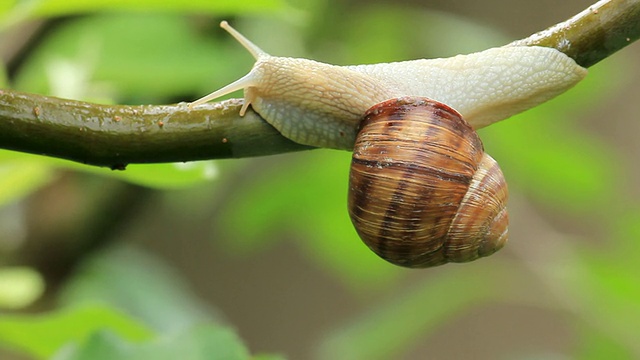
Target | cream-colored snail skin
(422,191)
(318,104)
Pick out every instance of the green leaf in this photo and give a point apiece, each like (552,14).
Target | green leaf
(22,173)
(50,8)
(18,179)
(139,56)
(43,335)
(6,5)
(137,282)
(200,343)
(160,176)
(13,12)
(19,287)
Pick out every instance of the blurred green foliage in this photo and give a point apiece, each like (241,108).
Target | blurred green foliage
(19,286)
(123,303)
(44,335)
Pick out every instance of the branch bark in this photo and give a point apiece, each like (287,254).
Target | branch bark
(594,34)
(117,135)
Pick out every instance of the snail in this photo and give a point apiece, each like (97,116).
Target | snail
(422,192)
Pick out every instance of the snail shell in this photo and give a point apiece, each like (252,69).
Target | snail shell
(422,192)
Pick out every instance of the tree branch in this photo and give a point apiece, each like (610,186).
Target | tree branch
(594,34)
(116,135)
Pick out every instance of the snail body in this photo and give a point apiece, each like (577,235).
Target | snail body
(422,191)
(319,104)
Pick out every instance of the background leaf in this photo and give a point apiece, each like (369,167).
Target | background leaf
(16,11)
(19,179)
(43,335)
(109,56)
(19,287)
(124,277)
(202,343)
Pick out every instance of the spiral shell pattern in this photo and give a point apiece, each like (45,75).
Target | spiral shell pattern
(422,192)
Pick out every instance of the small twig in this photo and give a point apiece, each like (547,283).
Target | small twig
(116,135)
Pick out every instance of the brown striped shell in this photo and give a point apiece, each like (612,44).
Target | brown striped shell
(422,192)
